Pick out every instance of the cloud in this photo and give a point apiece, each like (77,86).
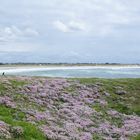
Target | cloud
(61,26)
(18,46)
(72,26)
(13,33)
(80,26)
(30,32)
(94,24)
(95,18)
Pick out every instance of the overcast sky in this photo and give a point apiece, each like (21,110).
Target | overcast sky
(70,31)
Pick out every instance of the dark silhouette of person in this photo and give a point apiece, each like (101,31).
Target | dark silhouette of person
(3,74)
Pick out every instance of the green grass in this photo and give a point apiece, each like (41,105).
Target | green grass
(96,137)
(128,103)
(16,118)
(17,83)
(117,121)
(71,89)
(2,88)
(135,137)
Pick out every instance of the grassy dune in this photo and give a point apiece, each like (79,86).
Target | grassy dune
(128,103)
(61,109)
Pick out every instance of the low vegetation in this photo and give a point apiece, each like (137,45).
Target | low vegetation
(127,103)
(62,109)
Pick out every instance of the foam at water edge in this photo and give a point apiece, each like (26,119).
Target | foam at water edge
(21,69)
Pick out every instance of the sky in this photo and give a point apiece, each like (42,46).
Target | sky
(71,31)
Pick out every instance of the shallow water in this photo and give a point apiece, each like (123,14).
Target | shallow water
(83,71)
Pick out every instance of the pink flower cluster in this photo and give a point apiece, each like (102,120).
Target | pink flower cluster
(69,115)
(5,100)
(4,131)
(63,110)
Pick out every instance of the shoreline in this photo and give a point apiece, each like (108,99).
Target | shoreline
(108,71)
(67,71)
(64,64)
(38,68)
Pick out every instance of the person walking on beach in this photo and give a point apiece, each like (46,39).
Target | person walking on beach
(3,74)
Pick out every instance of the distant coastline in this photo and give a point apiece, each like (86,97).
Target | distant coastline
(66,64)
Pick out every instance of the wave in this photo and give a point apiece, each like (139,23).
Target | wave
(28,69)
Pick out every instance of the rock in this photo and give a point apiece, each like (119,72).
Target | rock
(99,84)
(118,87)
(17,131)
(106,94)
(120,92)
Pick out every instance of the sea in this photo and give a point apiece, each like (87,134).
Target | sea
(74,71)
